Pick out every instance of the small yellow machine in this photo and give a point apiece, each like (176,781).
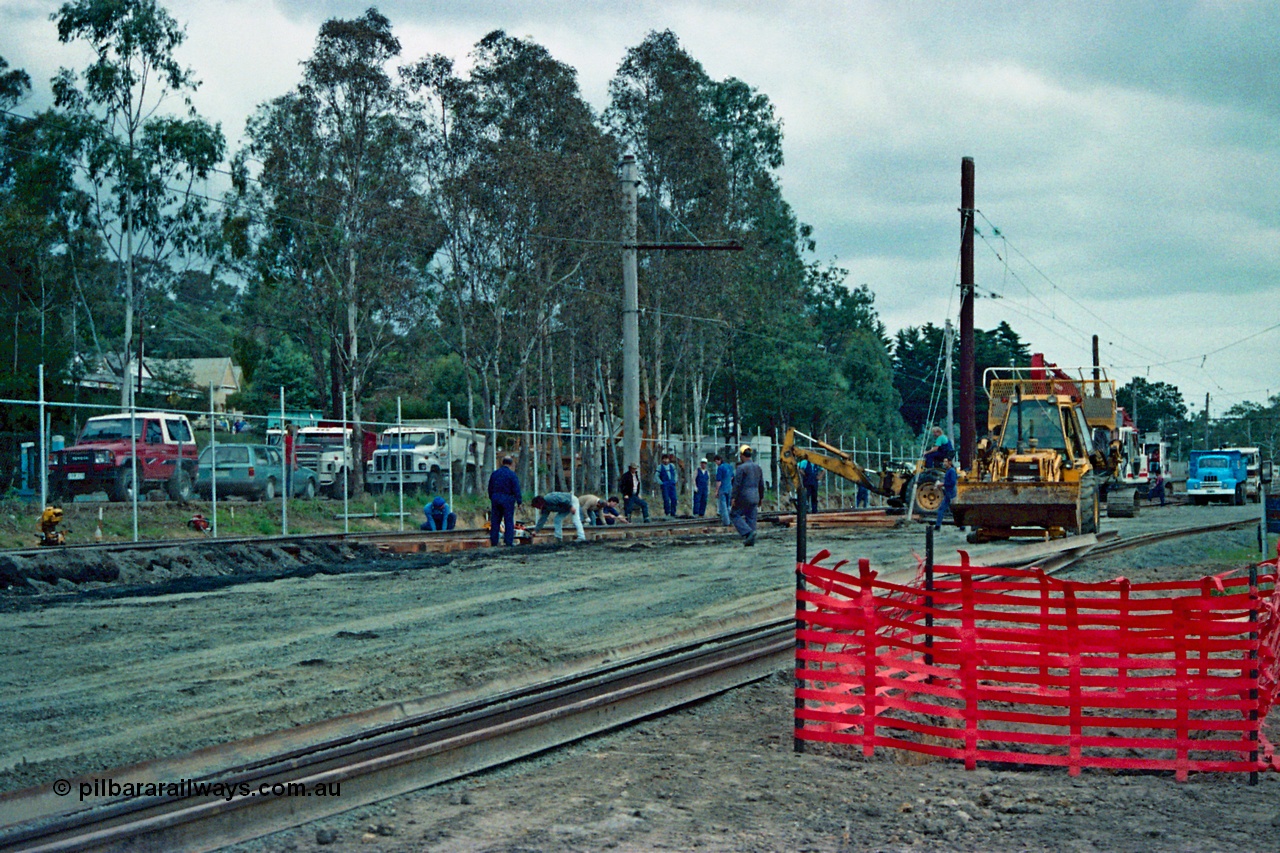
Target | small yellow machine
(1048,449)
(49,521)
(894,482)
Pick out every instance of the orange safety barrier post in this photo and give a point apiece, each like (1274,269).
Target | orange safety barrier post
(1011,665)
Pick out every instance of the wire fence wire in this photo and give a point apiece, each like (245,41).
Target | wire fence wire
(574,449)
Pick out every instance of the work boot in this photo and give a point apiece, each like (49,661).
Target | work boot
(750,540)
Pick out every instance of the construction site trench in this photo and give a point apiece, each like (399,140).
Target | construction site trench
(117,659)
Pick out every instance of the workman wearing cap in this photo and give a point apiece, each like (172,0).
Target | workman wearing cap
(439,516)
(724,484)
(562,504)
(504,497)
(748,488)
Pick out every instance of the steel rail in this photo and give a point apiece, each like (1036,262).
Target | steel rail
(375,536)
(1127,543)
(422,750)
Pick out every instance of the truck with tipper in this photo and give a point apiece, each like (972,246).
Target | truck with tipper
(425,455)
(1253,472)
(1217,475)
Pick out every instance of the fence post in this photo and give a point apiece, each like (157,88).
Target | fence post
(44,442)
(400,458)
(284,470)
(797,745)
(346,481)
(928,599)
(213,463)
(448,451)
(1253,669)
(133,461)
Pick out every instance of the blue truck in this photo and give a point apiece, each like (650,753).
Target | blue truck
(1217,475)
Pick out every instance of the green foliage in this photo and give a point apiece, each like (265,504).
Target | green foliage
(140,164)
(283,365)
(338,261)
(1157,407)
(918,362)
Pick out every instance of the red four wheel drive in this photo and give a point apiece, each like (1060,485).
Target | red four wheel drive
(101,458)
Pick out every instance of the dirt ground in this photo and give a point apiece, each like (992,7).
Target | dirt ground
(115,673)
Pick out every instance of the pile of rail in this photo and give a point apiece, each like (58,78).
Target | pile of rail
(1012,665)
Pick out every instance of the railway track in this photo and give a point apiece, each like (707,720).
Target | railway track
(384,760)
(395,541)
(366,758)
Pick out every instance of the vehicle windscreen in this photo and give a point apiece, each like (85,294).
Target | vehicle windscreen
(421,439)
(227,454)
(1213,462)
(108,429)
(178,430)
(326,440)
(1040,420)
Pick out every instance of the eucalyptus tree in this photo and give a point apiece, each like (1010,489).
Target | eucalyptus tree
(141,165)
(919,376)
(522,180)
(334,225)
(660,110)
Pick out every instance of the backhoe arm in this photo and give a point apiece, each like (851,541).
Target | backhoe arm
(838,462)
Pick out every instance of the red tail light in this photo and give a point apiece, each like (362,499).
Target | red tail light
(251,473)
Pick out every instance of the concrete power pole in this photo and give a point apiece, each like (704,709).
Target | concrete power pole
(630,318)
(968,402)
(951,419)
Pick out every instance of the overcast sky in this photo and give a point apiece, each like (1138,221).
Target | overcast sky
(1128,152)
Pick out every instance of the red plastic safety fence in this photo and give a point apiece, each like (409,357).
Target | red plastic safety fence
(1021,667)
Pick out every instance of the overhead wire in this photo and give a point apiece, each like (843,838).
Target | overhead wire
(1146,363)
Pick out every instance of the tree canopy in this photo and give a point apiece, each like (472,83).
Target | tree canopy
(400,229)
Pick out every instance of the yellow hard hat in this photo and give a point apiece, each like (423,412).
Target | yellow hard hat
(746,448)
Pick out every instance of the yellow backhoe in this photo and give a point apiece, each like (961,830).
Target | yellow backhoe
(893,482)
(1048,449)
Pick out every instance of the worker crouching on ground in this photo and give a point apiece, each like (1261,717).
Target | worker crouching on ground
(748,486)
(590,510)
(631,492)
(504,497)
(439,516)
(610,513)
(562,504)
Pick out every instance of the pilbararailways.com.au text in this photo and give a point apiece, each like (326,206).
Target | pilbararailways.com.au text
(183,788)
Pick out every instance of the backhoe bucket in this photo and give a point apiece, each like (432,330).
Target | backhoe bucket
(1007,505)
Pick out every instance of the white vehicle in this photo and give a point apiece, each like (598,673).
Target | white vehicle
(429,452)
(1253,468)
(327,451)
(1133,478)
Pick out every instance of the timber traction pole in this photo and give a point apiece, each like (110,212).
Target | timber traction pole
(968,407)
